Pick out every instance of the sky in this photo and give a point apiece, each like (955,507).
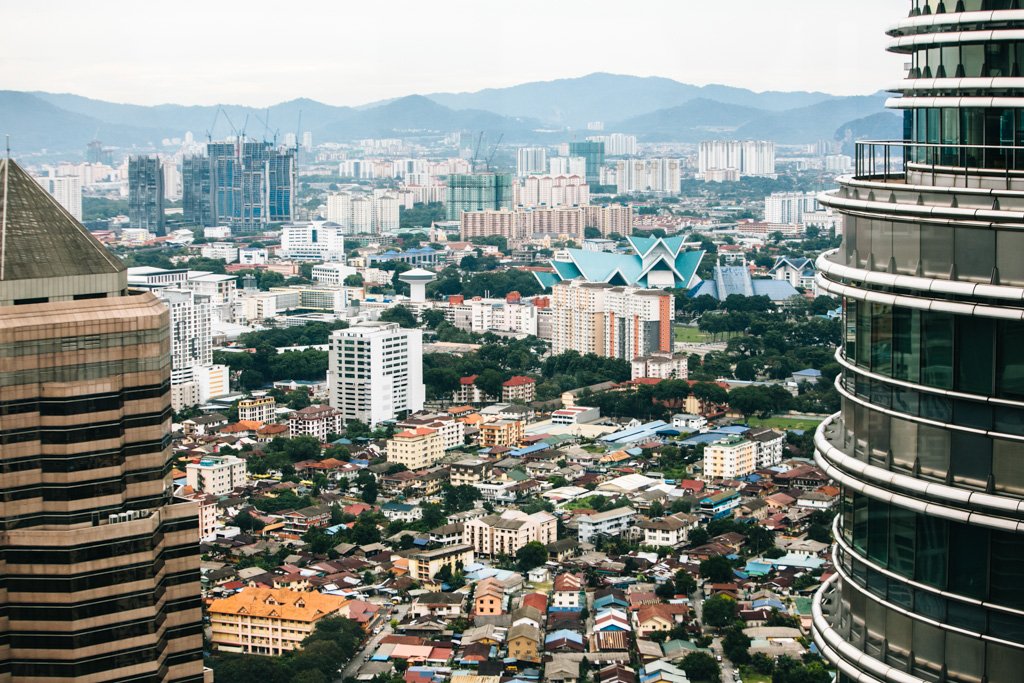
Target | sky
(349,53)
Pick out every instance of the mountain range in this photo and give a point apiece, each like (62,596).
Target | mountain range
(654,109)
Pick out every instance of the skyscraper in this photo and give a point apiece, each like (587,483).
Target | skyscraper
(593,152)
(252,184)
(376,372)
(928,449)
(100,565)
(478,192)
(196,200)
(146,194)
(531,160)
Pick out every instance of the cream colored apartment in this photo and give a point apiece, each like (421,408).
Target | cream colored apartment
(268,621)
(417,448)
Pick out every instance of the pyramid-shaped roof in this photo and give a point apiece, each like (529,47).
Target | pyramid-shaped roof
(39,238)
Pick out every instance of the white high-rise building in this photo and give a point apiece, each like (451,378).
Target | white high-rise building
(531,160)
(191,342)
(616,144)
(307,141)
(363,214)
(67,190)
(546,190)
(315,241)
(789,207)
(647,175)
(745,157)
(385,212)
(568,166)
(617,322)
(376,372)
(339,209)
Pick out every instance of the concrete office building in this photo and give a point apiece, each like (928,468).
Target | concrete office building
(315,241)
(67,190)
(196,202)
(216,475)
(146,194)
(191,342)
(593,153)
(376,372)
(789,207)
(100,563)
(927,448)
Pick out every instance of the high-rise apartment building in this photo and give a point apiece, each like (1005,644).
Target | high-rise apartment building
(593,152)
(546,190)
(316,241)
(616,144)
(788,208)
(146,194)
(362,214)
(100,564)
(478,192)
(531,160)
(647,175)
(196,199)
(376,372)
(617,322)
(740,157)
(567,166)
(67,190)
(252,184)
(927,449)
(191,342)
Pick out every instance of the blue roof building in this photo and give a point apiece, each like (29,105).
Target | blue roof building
(735,279)
(421,256)
(657,262)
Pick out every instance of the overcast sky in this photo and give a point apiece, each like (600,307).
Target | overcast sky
(346,53)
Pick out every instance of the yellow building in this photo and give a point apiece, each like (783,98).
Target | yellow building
(501,433)
(258,409)
(268,621)
(729,459)
(524,643)
(417,448)
(424,566)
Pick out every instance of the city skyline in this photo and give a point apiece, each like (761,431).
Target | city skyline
(358,71)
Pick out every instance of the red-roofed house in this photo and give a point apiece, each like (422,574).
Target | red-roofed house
(519,388)
(469,392)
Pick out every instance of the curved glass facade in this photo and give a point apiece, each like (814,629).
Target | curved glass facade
(929,445)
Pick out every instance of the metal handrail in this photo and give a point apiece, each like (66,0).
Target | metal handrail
(882,159)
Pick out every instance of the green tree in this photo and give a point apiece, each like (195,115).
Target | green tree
(685,584)
(399,314)
(719,611)
(716,569)
(700,667)
(736,645)
(432,317)
(489,381)
(354,280)
(531,555)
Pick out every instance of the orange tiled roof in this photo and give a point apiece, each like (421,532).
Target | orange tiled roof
(279,602)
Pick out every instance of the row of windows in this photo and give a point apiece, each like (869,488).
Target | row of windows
(921,649)
(84,461)
(111,339)
(993,128)
(970,354)
(967,560)
(80,582)
(972,60)
(925,7)
(969,617)
(83,433)
(927,452)
(936,251)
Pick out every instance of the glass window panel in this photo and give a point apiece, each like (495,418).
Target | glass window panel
(932,546)
(972,414)
(968,560)
(965,658)
(878,531)
(975,254)
(906,246)
(975,353)
(1004,664)
(936,407)
(906,337)
(1008,466)
(1010,245)
(970,458)
(936,250)
(937,350)
(1007,570)
(881,243)
(902,537)
(860,523)
(850,321)
(903,441)
(1010,359)
(929,650)
(933,451)
(906,400)
(973,59)
(881,339)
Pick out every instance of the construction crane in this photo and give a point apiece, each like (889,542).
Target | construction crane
(490,158)
(476,151)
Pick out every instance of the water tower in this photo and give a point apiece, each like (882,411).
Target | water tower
(417,279)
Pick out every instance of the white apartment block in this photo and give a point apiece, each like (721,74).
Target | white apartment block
(362,214)
(617,322)
(216,475)
(257,409)
(729,459)
(224,251)
(219,289)
(376,372)
(416,448)
(661,366)
(318,421)
(332,274)
(608,219)
(547,190)
(608,523)
(504,534)
(252,256)
(191,341)
(315,241)
(648,175)
(789,207)
(211,381)
(530,160)
(567,166)
(616,144)
(770,446)
(668,532)
(744,157)
(67,190)
(519,224)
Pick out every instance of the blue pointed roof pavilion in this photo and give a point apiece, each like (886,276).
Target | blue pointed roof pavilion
(652,254)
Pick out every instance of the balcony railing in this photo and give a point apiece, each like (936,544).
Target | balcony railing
(891,159)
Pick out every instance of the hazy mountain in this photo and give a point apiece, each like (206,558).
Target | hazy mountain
(817,121)
(611,97)
(699,119)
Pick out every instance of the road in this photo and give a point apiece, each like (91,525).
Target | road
(393,612)
(728,670)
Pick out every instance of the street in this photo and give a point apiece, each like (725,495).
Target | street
(396,612)
(728,671)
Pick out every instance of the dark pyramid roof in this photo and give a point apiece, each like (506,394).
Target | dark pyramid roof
(39,238)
